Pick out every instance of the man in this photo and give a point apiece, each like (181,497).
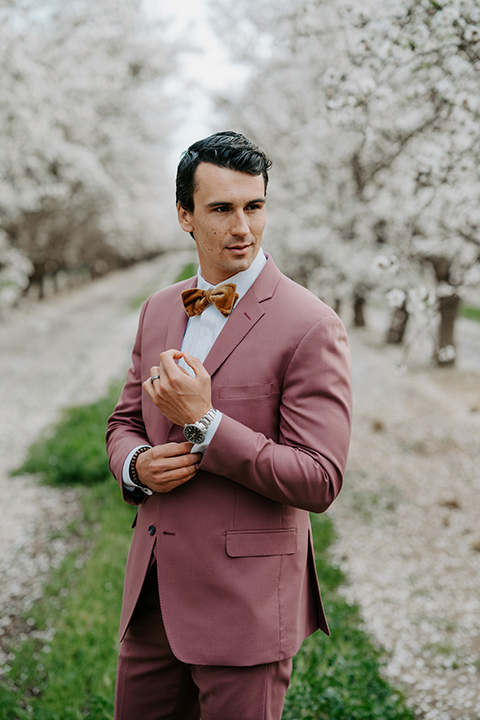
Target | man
(232,426)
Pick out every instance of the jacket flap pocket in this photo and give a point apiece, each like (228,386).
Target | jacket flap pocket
(258,543)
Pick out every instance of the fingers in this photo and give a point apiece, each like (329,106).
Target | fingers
(169,369)
(166,374)
(148,384)
(173,453)
(195,364)
(173,354)
(180,397)
(165,467)
(173,450)
(168,364)
(171,470)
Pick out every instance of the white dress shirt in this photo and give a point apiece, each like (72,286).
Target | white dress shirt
(200,335)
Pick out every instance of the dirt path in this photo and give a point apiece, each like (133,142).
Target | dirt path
(407,519)
(63,351)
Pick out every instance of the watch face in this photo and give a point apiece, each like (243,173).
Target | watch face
(194,434)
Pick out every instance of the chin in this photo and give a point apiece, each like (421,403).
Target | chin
(241,265)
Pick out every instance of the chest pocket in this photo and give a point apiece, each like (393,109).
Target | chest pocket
(244,392)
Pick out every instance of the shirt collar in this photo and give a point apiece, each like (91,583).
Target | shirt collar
(243,280)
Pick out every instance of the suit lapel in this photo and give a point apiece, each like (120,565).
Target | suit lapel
(244,317)
(246,314)
(178,319)
(176,330)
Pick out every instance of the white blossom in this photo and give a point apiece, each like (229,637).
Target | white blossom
(375,155)
(385,262)
(447,353)
(83,125)
(396,298)
(444,290)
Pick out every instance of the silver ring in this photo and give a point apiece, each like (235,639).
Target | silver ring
(154,377)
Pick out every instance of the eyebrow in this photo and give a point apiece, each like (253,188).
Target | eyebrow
(257,201)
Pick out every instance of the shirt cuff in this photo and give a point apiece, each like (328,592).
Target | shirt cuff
(212,429)
(127,482)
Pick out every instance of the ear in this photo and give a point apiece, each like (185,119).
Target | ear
(184,218)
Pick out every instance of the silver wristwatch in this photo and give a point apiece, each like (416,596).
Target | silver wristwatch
(195,432)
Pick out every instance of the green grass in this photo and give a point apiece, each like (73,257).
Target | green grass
(188,271)
(469,312)
(65,670)
(76,453)
(338,678)
(70,674)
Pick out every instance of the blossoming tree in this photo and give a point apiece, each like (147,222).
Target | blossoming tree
(83,124)
(373,110)
(412,95)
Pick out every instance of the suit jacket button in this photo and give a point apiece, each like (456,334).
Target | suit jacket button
(151,530)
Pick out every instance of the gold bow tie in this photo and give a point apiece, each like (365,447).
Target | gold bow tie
(223,297)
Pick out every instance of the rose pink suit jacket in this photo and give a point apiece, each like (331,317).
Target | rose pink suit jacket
(236,574)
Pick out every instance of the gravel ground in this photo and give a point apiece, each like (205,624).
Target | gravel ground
(407,519)
(63,351)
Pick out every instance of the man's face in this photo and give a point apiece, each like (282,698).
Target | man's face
(227,222)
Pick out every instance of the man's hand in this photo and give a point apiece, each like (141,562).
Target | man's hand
(165,467)
(181,397)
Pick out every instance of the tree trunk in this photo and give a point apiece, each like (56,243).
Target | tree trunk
(359,310)
(448,307)
(398,325)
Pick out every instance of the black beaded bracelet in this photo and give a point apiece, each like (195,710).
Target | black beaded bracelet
(132,469)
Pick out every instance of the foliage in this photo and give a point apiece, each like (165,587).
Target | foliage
(377,151)
(73,452)
(472,313)
(66,669)
(84,122)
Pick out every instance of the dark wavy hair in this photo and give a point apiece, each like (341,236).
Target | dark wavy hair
(226,149)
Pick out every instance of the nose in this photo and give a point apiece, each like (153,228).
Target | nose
(240,225)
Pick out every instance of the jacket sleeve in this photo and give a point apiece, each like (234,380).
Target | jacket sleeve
(305,468)
(125,426)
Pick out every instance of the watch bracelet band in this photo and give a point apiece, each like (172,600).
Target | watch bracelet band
(201,426)
(207,419)
(132,468)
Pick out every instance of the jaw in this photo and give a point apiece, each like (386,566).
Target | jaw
(231,261)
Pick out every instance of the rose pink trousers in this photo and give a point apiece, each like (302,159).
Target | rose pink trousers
(152,684)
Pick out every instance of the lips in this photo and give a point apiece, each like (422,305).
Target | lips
(238,248)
